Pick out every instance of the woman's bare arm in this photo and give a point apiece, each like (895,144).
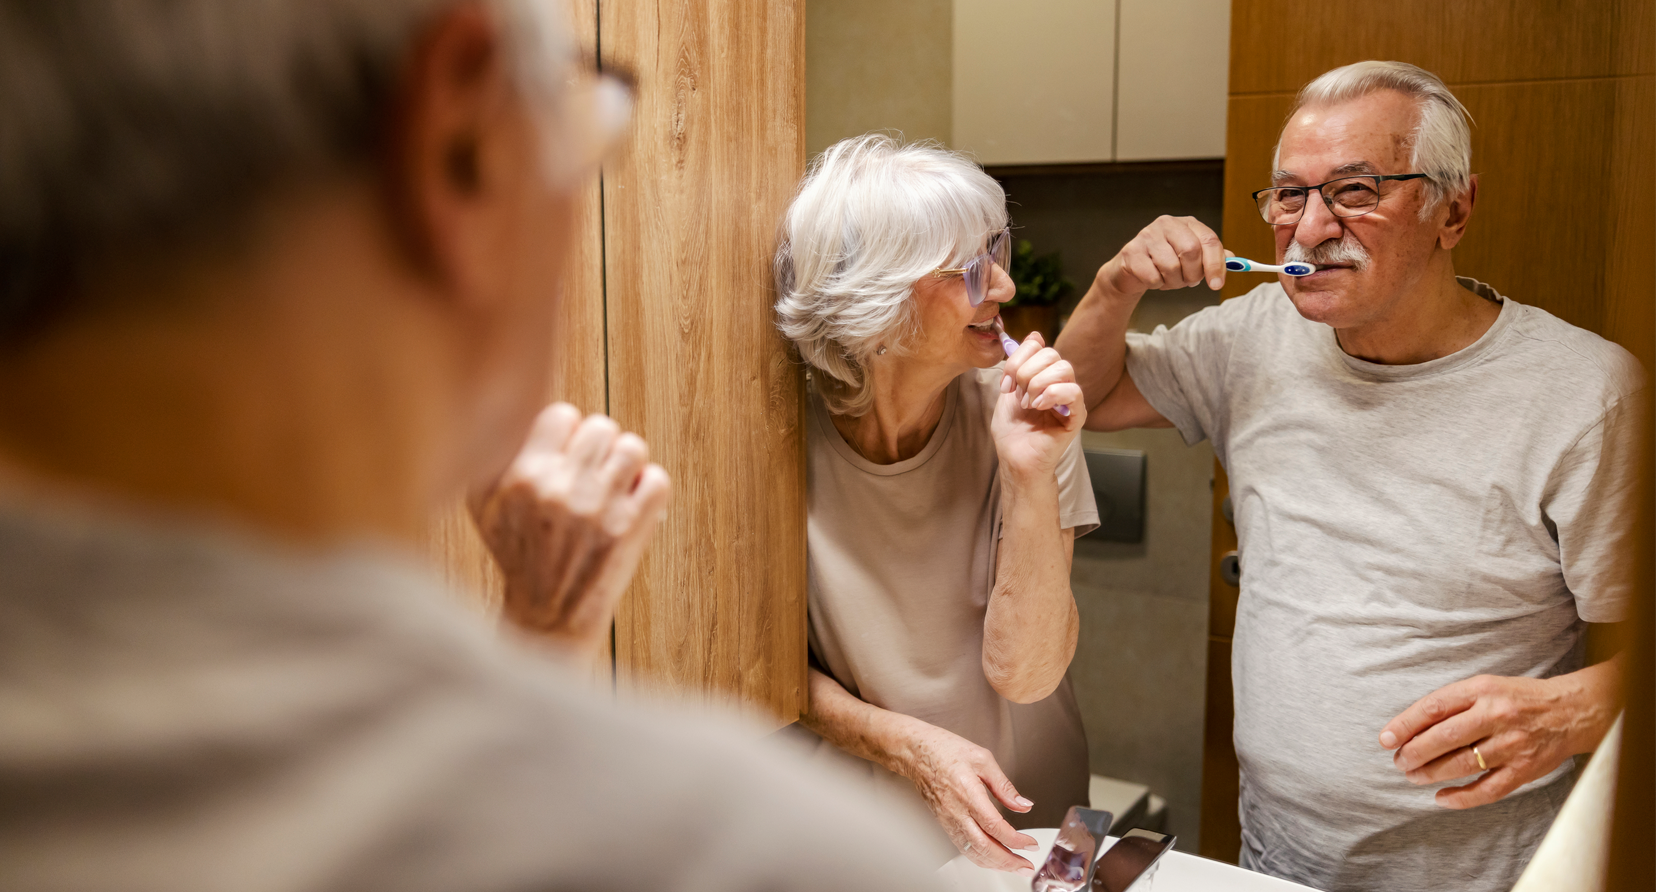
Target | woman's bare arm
(953,775)
(1031,627)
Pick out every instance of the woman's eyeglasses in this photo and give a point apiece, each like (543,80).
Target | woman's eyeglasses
(977,270)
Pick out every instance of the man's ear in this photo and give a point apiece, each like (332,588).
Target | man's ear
(450,152)
(1453,228)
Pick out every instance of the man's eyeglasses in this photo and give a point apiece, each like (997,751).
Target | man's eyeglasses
(977,270)
(1346,197)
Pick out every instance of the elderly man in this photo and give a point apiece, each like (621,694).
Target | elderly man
(274,283)
(1432,490)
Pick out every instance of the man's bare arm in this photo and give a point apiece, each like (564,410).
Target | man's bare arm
(1172,252)
(1126,408)
(1096,338)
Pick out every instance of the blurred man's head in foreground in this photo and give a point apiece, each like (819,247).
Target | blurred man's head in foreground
(314,239)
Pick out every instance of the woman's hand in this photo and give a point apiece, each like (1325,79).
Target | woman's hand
(956,778)
(1030,437)
(568,522)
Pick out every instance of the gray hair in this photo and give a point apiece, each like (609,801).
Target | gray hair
(141,121)
(872,217)
(1441,144)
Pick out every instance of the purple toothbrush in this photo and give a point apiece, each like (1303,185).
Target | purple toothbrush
(1009,346)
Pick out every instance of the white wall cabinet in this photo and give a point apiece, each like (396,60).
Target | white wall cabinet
(1034,81)
(1174,67)
(1075,81)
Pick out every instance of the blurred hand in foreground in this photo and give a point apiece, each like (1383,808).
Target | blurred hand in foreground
(568,521)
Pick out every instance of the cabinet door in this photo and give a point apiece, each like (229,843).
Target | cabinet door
(696,365)
(1034,82)
(1173,63)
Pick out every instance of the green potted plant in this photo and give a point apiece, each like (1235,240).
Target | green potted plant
(1041,286)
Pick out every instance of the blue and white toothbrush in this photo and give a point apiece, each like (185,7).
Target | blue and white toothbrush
(1295,268)
(1009,346)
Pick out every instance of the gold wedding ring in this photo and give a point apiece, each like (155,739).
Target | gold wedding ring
(1481,765)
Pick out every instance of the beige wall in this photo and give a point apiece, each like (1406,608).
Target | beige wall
(877,65)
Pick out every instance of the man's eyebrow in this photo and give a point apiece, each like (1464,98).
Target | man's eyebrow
(1355,167)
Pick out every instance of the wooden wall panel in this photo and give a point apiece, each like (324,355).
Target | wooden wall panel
(696,365)
(1221,837)
(576,375)
(1279,45)
(1630,317)
(1631,322)
(1252,124)
(1564,145)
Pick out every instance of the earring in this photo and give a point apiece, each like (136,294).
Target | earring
(881,351)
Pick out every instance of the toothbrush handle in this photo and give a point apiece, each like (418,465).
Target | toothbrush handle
(1010,346)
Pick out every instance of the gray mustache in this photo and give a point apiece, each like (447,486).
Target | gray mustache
(1344,250)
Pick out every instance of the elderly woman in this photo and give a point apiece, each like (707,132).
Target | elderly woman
(945,496)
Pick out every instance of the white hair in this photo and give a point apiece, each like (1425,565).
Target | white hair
(872,217)
(142,121)
(1441,144)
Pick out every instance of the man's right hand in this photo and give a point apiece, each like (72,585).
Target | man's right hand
(956,777)
(1172,252)
(568,522)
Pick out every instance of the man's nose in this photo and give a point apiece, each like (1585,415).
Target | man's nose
(1318,224)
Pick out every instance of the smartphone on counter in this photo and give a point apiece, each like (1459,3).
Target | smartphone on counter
(1131,859)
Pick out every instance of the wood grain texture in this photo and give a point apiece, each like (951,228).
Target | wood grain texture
(576,374)
(1279,45)
(579,366)
(464,561)
(1631,322)
(1221,831)
(1630,316)
(1564,145)
(1221,837)
(695,362)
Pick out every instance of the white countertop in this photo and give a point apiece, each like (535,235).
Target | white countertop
(1175,872)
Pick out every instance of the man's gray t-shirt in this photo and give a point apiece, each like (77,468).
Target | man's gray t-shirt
(191,708)
(1401,528)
